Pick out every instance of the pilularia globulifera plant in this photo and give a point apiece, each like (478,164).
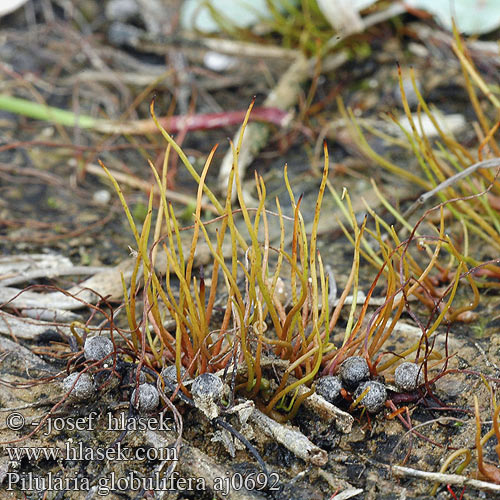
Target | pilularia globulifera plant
(251,278)
(449,170)
(259,329)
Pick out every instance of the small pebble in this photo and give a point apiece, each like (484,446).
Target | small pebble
(121,10)
(218,62)
(282,291)
(148,398)
(411,95)
(375,398)
(408,376)
(97,348)
(102,196)
(353,371)
(123,34)
(329,388)
(207,391)
(83,389)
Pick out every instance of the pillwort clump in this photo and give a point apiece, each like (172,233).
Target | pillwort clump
(408,376)
(83,389)
(256,321)
(329,388)
(148,399)
(97,348)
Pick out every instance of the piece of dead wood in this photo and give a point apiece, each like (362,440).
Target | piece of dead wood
(105,283)
(25,328)
(162,45)
(326,411)
(452,479)
(343,420)
(290,438)
(55,306)
(248,49)
(195,463)
(336,483)
(146,186)
(350,493)
(51,273)
(12,266)
(51,307)
(19,371)
(27,359)
(145,79)
(478,49)
(50,315)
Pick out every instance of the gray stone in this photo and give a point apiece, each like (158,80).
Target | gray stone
(124,34)
(121,10)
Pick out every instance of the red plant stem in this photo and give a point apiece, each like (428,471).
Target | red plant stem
(186,123)
(213,120)
(452,493)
